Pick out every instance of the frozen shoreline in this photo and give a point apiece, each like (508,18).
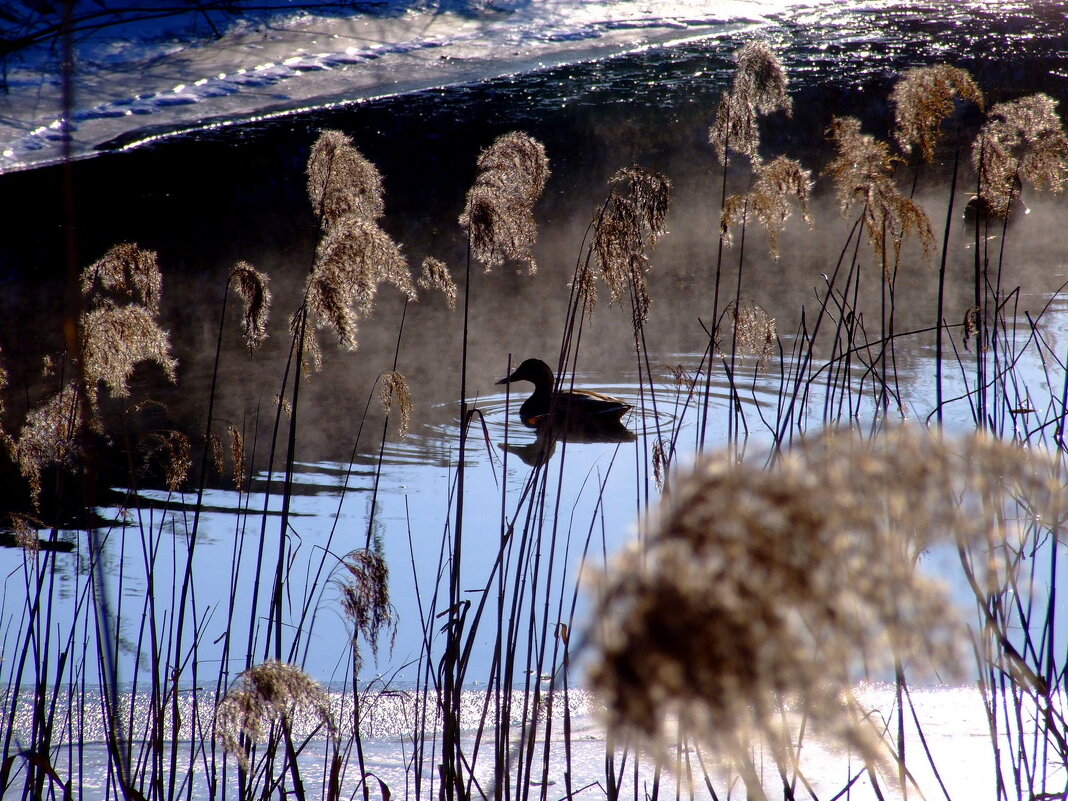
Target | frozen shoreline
(126,86)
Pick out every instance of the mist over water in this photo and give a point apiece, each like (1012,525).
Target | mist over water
(203,201)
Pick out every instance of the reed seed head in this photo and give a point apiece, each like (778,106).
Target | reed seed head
(1022,141)
(267,694)
(351,261)
(237,456)
(759,88)
(499,213)
(394,390)
(758,589)
(171,450)
(341,182)
(125,274)
(115,339)
(924,98)
(862,174)
(365,597)
(754,331)
(50,435)
(630,222)
(436,275)
(254,289)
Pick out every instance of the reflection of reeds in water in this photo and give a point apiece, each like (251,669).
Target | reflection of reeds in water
(499,213)
(758,590)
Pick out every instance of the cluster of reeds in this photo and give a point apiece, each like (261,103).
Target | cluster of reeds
(756,597)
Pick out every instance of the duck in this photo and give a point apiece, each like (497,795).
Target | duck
(579,413)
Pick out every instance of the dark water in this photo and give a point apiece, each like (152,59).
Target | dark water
(207,201)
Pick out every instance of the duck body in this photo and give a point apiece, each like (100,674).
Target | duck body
(574,411)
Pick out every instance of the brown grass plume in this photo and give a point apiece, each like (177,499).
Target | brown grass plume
(924,98)
(499,213)
(759,88)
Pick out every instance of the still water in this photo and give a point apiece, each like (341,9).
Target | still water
(204,202)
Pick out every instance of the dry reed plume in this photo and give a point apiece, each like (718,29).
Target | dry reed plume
(862,172)
(775,183)
(341,182)
(436,275)
(172,452)
(759,88)
(754,331)
(125,274)
(354,255)
(759,590)
(1022,140)
(630,222)
(254,289)
(273,693)
(499,213)
(394,390)
(923,98)
(50,436)
(365,597)
(119,328)
(115,339)
(237,456)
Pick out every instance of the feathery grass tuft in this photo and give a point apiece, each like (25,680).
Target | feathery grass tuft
(351,261)
(499,213)
(630,222)
(365,597)
(775,183)
(254,289)
(50,435)
(436,275)
(757,588)
(862,173)
(237,456)
(341,182)
(115,339)
(1022,140)
(266,694)
(754,331)
(395,390)
(125,274)
(923,98)
(759,87)
(171,450)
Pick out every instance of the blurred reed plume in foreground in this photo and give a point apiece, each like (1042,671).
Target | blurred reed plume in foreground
(265,696)
(1022,140)
(631,221)
(923,99)
(759,87)
(862,171)
(354,255)
(499,213)
(765,592)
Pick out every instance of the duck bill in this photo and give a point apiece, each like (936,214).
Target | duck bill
(506,380)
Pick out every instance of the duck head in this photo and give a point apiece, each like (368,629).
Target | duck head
(535,371)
